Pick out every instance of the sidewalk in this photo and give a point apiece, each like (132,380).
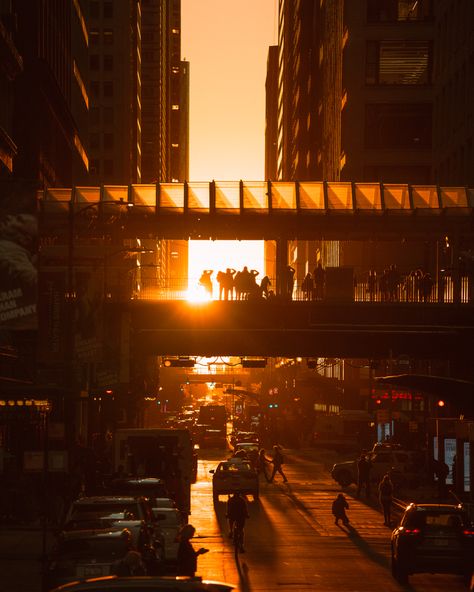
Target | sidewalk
(21,548)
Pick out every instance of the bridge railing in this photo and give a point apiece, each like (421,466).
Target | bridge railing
(188,288)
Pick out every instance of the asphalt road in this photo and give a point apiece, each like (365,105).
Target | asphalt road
(292,543)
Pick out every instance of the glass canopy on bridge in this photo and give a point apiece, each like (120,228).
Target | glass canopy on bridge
(240,197)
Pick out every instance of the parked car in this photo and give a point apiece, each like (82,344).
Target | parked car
(433,538)
(155,584)
(169,524)
(141,534)
(117,506)
(402,465)
(86,554)
(234,475)
(150,487)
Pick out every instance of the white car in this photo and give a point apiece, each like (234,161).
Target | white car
(169,524)
(234,475)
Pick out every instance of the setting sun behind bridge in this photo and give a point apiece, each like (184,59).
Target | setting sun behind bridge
(218,256)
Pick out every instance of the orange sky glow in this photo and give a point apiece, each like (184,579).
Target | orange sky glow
(226,43)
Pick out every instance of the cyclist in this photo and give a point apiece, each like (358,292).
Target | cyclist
(237,514)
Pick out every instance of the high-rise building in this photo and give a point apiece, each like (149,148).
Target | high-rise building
(356,90)
(271,114)
(11,66)
(51,100)
(453,142)
(115,70)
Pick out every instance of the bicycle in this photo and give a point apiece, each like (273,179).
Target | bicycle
(238,538)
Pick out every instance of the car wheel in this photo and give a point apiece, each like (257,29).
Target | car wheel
(398,572)
(344,478)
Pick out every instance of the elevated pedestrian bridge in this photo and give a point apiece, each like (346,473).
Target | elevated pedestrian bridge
(103,218)
(261,210)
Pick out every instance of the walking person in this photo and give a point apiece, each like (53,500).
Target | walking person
(339,507)
(385,498)
(277,461)
(319,277)
(262,463)
(363,475)
(187,556)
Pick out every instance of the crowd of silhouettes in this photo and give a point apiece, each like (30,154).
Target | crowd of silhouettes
(389,286)
(237,285)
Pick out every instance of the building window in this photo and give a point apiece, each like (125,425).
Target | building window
(108,37)
(95,89)
(95,141)
(398,125)
(94,166)
(108,167)
(108,88)
(94,61)
(108,115)
(94,10)
(398,62)
(95,116)
(94,36)
(398,10)
(108,141)
(108,62)
(108,10)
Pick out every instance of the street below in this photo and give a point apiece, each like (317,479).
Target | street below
(291,541)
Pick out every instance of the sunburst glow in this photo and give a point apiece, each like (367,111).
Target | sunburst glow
(218,256)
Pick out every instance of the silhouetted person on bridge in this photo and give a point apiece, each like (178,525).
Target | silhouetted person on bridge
(289,281)
(206,282)
(307,286)
(319,278)
(264,286)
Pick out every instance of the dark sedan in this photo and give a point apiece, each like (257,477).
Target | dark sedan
(433,538)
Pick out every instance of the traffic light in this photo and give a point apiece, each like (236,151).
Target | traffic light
(441,403)
(183,362)
(378,401)
(273,405)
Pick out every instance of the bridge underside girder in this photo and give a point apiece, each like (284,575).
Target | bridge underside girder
(292,329)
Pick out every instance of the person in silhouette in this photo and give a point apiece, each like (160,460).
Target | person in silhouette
(289,281)
(277,461)
(363,475)
(319,278)
(265,285)
(187,556)
(385,498)
(206,282)
(307,286)
(339,507)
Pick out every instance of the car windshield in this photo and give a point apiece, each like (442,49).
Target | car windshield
(100,549)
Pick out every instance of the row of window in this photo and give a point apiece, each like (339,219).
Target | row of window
(107,9)
(398,62)
(98,166)
(379,11)
(107,89)
(107,141)
(95,36)
(107,62)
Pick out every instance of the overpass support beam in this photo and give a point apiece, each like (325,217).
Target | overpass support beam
(281,264)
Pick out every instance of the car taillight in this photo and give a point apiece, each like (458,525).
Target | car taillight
(412,531)
(468,532)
